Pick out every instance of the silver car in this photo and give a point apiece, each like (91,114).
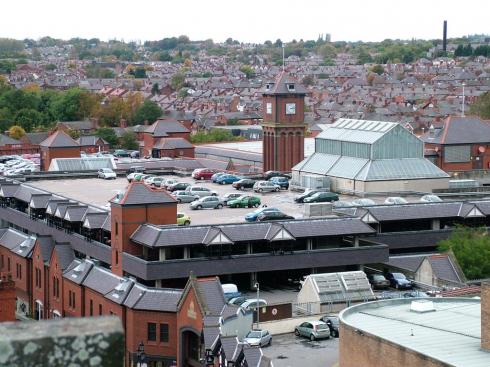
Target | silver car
(313,330)
(266,186)
(184,196)
(229,197)
(258,338)
(207,202)
(200,191)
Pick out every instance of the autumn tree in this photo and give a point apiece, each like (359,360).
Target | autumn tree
(482,106)
(378,69)
(177,81)
(16,132)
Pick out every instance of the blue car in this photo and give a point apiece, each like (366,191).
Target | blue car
(283,182)
(227,179)
(252,217)
(217,175)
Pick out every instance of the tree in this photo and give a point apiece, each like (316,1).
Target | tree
(129,141)
(16,132)
(278,43)
(248,71)
(139,73)
(308,80)
(471,247)
(177,81)
(75,104)
(378,69)
(148,111)
(108,135)
(28,118)
(482,106)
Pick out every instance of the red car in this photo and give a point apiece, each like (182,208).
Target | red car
(203,174)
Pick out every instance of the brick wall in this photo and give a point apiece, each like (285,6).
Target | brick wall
(485,316)
(7,299)
(356,350)
(48,154)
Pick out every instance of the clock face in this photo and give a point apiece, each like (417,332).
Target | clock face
(268,107)
(290,108)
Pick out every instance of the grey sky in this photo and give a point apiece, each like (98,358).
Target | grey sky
(246,20)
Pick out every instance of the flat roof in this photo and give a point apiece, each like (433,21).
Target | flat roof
(451,334)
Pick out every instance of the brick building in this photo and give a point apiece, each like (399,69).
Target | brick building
(92,144)
(165,135)
(283,124)
(435,332)
(10,146)
(58,145)
(7,299)
(459,144)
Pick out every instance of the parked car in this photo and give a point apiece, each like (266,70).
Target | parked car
(157,181)
(322,197)
(231,291)
(283,182)
(395,200)
(252,217)
(378,281)
(134,169)
(121,153)
(203,174)
(333,324)
(258,338)
(200,191)
(227,179)
(237,300)
(273,216)
(313,330)
(140,177)
(269,174)
(430,199)
(300,198)
(183,219)
(217,175)
(207,202)
(244,183)
(415,294)
(245,201)
(252,303)
(169,182)
(230,196)
(149,180)
(178,186)
(266,186)
(131,176)
(106,174)
(183,196)
(342,204)
(399,281)
(363,202)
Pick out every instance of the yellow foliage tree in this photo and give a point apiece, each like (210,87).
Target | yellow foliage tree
(16,132)
(33,88)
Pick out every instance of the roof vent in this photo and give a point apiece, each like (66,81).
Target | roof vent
(422,306)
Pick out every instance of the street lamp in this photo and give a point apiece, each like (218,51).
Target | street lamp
(141,356)
(258,308)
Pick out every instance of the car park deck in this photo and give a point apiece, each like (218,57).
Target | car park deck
(98,192)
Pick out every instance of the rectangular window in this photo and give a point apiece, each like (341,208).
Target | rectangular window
(268,107)
(91,307)
(73,301)
(152,331)
(54,286)
(8,263)
(1,262)
(20,271)
(164,333)
(457,154)
(100,309)
(117,228)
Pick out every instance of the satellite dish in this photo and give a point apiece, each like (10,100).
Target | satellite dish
(481,149)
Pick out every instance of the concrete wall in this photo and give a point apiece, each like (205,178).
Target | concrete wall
(422,185)
(485,316)
(287,325)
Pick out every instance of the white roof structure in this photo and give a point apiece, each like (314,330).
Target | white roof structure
(81,164)
(358,131)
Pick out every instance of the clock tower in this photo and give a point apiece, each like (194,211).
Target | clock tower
(283,125)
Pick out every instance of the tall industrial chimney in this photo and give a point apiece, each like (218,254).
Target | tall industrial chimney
(444,37)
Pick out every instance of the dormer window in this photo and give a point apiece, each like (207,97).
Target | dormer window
(267,86)
(290,87)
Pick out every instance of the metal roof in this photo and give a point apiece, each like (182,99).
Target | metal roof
(81,164)
(451,334)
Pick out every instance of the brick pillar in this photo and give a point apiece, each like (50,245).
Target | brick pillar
(485,316)
(7,299)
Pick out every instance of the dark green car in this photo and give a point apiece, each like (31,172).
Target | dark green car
(245,201)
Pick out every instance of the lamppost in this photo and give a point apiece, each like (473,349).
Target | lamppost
(258,308)
(462,110)
(141,356)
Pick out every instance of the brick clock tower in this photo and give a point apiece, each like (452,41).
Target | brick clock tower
(283,126)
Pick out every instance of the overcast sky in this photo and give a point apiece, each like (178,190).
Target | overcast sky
(245,20)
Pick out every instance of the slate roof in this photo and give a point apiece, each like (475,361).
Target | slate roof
(8,189)
(164,127)
(231,347)
(78,270)
(460,130)
(89,140)
(65,254)
(101,280)
(36,138)
(59,139)
(153,299)
(155,236)
(7,140)
(46,244)
(40,200)
(10,238)
(211,294)
(410,239)
(280,86)
(139,193)
(211,335)
(75,213)
(95,220)
(172,143)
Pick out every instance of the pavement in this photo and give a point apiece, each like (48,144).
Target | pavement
(98,192)
(288,350)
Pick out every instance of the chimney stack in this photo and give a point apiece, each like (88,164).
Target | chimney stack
(444,37)
(485,316)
